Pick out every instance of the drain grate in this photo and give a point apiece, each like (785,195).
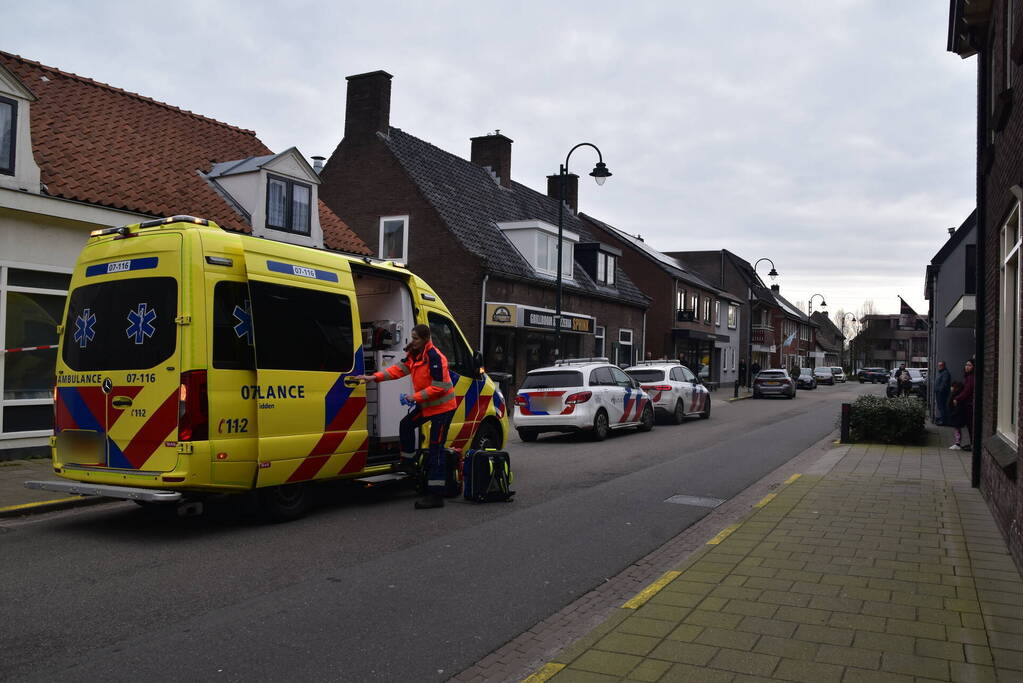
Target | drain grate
(695,500)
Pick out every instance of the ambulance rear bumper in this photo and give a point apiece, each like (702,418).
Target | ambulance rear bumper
(125,492)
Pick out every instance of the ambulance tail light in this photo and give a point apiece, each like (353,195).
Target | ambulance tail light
(578,397)
(193,407)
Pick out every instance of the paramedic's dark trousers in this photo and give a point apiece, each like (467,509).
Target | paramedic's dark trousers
(436,470)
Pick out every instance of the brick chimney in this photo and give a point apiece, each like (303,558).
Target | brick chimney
(571,189)
(368,106)
(776,289)
(493,151)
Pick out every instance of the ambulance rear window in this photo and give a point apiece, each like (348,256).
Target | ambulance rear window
(301,329)
(121,325)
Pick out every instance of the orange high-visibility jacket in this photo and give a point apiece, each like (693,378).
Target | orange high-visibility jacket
(431,382)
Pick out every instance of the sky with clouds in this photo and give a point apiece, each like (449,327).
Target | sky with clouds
(835,138)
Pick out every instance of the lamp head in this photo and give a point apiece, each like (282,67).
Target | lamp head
(773,274)
(600,173)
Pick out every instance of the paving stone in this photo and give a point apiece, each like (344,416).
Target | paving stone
(716,619)
(752,609)
(610,663)
(824,634)
(815,588)
(768,584)
(803,615)
(712,604)
(866,676)
(860,593)
(779,598)
(704,577)
(979,654)
(973,636)
(578,676)
(1008,659)
(684,673)
(649,670)
(641,626)
(857,622)
(808,672)
(916,666)
(745,662)
(884,609)
(974,673)
(1004,624)
(917,600)
(786,647)
(940,649)
(772,627)
(735,592)
(684,585)
(628,643)
(836,604)
(686,653)
(849,656)
(885,642)
(735,640)
(972,620)
(655,610)
(685,632)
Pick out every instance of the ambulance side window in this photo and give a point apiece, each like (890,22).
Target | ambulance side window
(301,329)
(445,337)
(232,327)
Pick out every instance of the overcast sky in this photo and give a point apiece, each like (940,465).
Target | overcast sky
(835,138)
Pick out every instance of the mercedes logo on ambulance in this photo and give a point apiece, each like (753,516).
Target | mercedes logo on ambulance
(108,386)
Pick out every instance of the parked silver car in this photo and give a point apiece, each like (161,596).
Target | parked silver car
(773,383)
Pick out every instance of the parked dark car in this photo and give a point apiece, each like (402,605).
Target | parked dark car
(824,375)
(806,380)
(774,383)
(917,384)
(872,375)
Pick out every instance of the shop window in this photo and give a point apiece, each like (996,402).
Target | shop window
(288,205)
(445,336)
(394,238)
(301,329)
(8,134)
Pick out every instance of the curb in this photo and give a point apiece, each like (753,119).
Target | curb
(42,506)
(739,398)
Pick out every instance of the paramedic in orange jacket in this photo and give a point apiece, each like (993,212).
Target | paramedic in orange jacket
(435,403)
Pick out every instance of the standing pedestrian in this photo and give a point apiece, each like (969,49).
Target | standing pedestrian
(942,386)
(754,370)
(434,396)
(962,401)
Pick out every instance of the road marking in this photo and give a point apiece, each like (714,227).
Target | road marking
(792,478)
(725,533)
(651,590)
(26,506)
(766,499)
(695,500)
(545,672)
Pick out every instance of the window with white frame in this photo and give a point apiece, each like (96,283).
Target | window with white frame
(598,341)
(706,309)
(1008,328)
(680,299)
(733,316)
(394,238)
(624,347)
(8,134)
(547,254)
(606,268)
(31,306)
(288,205)
(694,305)
(717,312)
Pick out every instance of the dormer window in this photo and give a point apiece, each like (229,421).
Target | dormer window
(537,241)
(288,205)
(606,264)
(8,128)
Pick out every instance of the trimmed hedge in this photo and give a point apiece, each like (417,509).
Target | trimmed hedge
(887,420)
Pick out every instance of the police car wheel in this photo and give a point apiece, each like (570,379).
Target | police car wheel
(706,411)
(600,426)
(646,423)
(527,435)
(679,414)
(285,503)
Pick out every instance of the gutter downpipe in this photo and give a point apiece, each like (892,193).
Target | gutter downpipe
(483,309)
(977,434)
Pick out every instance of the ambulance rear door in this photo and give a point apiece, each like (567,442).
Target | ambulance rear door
(311,413)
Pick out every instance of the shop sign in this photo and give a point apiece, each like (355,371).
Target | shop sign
(543,319)
(502,315)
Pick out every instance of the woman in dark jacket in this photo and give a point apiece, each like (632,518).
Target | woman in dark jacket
(962,404)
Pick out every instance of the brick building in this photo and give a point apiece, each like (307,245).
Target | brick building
(888,340)
(486,243)
(830,340)
(993,33)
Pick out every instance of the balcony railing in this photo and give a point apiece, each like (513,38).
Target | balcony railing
(763,334)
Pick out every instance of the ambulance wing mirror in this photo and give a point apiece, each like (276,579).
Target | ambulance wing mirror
(477,362)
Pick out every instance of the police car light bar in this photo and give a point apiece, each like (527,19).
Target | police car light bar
(571,361)
(662,361)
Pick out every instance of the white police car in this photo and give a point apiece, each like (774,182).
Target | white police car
(675,391)
(582,394)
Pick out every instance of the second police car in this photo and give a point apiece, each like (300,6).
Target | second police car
(673,388)
(582,394)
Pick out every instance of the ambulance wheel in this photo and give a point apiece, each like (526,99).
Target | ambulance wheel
(706,411)
(285,503)
(679,415)
(528,435)
(600,426)
(646,423)
(487,436)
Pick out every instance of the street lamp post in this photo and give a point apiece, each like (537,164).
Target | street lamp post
(599,174)
(773,275)
(809,306)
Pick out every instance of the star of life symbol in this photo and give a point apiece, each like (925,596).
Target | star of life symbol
(243,314)
(141,324)
(84,328)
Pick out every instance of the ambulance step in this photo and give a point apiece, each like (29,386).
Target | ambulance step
(382,478)
(126,492)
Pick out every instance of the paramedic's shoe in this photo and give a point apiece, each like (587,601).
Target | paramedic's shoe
(430,501)
(955,447)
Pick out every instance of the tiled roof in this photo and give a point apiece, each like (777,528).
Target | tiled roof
(101,145)
(471,204)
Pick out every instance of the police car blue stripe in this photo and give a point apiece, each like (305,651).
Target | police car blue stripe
(301,271)
(146,263)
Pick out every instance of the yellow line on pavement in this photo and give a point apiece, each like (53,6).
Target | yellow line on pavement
(651,590)
(725,533)
(25,506)
(545,672)
(792,478)
(767,499)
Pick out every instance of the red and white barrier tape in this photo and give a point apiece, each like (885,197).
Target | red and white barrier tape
(29,348)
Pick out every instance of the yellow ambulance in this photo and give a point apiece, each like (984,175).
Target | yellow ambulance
(195,360)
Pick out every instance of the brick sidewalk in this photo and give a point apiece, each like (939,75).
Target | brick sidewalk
(889,567)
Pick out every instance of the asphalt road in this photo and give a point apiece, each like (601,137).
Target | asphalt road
(365,587)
